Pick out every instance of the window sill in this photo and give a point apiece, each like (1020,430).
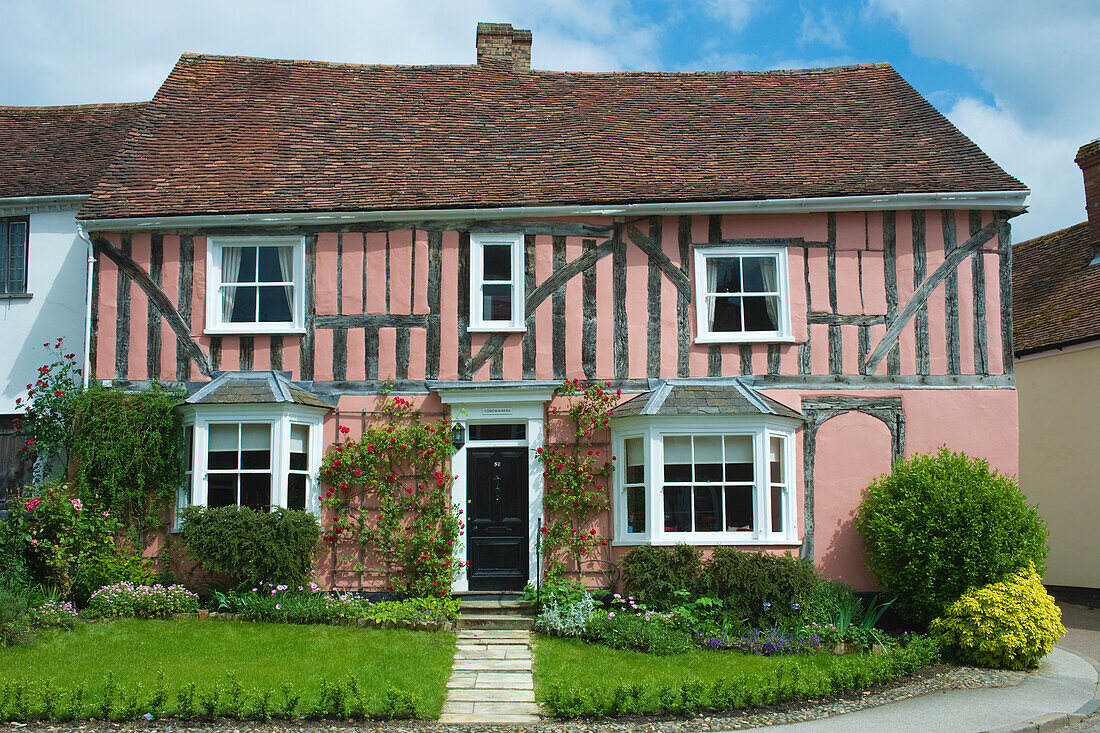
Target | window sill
(497,329)
(265,331)
(748,338)
(16,296)
(705,541)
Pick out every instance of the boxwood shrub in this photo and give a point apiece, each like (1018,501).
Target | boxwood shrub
(940,524)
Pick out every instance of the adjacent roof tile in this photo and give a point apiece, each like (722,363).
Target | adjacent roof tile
(725,397)
(254,388)
(57,151)
(1055,291)
(236,135)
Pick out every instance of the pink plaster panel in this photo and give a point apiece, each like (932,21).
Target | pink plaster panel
(351,300)
(140,246)
(851,450)
(261,353)
(418,342)
(966,299)
(819,280)
(937,308)
(198,289)
(401,271)
(904,267)
(513,357)
(796,281)
(420,296)
(574,311)
(544,324)
(387,353)
(170,285)
(874,284)
(325,291)
(448,337)
(907,348)
(670,350)
(374,269)
(357,346)
(231,353)
(637,309)
(105,326)
(979,422)
(874,230)
(819,348)
(851,231)
(994,339)
(849,300)
(605,310)
(700,229)
(788,359)
(292,355)
(849,355)
(760,358)
(810,227)
(875,334)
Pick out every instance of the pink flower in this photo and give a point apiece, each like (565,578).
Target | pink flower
(34,542)
(33,504)
(77,505)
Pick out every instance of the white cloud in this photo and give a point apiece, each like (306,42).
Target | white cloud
(735,13)
(823,27)
(1038,60)
(1043,162)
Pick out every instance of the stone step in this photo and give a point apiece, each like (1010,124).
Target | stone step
(497,606)
(471,694)
(494,622)
(461,679)
(490,708)
(494,651)
(494,636)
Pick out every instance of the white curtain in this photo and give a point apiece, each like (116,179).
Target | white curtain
(771,284)
(231,273)
(712,286)
(286,272)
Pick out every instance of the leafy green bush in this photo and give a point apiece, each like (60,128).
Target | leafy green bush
(653,575)
(126,600)
(123,566)
(627,627)
(940,524)
(252,547)
(310,605)
(555,589)
(566,619)
(15,623)
(796,680)
(1011,624)
(763,589)
(53,615)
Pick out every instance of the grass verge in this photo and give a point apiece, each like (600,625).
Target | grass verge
(190,668)
(574,679)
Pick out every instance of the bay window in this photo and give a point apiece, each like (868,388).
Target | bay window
(704,480)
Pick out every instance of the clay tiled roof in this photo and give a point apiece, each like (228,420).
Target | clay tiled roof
(1055,291)
(56,151)
(250,388)
(725,397)
(233,135)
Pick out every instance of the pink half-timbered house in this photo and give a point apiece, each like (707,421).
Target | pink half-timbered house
(794,277)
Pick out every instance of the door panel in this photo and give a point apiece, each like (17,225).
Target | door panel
(497,518)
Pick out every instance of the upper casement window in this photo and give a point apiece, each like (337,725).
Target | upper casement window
(496,282)
(254,285)
(13,256)
(741,294)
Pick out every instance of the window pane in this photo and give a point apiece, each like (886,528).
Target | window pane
(238,264)
(634,461)
(276,264)
(677,508)
(708,458)
(296,491)
(759,274)
(677,458)
(503,431)
(255,446)
(775,460)
(725,316)
(739,508)
(497,261)
(240,303)
(222,450)
(299,438)
(723,275)
(256,491)
(221,489)
(275,304)
(777,508)
(635,509)
(762,313)
(739,461)
(708,508)
(496,302)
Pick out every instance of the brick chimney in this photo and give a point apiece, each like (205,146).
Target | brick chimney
(1088,157)
(500,43)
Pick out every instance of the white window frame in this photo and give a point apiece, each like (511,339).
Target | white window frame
(703,334)
(478,322)
(654,429)
(214,323)
(280,416)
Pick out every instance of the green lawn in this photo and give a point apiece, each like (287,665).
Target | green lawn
(259,655)
(577,679)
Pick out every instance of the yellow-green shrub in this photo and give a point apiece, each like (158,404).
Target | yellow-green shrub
(1011,624)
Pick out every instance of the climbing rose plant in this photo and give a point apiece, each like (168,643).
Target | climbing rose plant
(46,422)
(577,473)
(390,492)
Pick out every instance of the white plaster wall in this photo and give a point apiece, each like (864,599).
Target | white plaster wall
(57,271)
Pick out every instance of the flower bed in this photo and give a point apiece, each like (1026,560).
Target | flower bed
(128,600)
(311,605)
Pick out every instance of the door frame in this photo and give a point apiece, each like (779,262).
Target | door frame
(480,403)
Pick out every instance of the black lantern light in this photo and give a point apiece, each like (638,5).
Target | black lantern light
(458,435)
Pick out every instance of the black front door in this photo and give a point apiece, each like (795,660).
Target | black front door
(497,518)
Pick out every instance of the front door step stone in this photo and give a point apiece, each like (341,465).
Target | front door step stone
(491,695)
(491,679)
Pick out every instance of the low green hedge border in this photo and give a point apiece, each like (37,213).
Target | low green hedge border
(794,681)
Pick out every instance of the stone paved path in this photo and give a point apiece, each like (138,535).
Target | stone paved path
(491,679)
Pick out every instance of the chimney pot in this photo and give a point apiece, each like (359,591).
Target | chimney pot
(1088,158)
